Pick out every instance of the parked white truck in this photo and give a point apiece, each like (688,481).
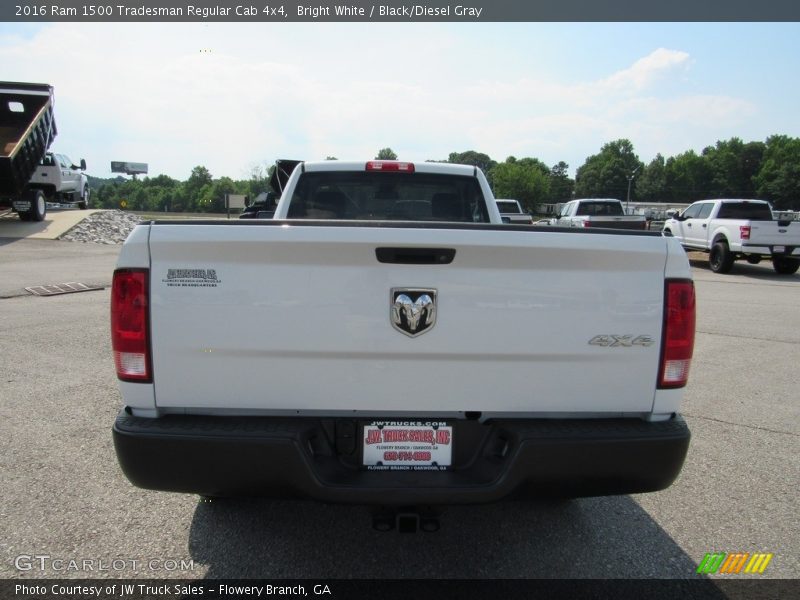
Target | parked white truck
(729,230)
(62,180)
(597,212)
(511,212)
(29,175)
(345,353)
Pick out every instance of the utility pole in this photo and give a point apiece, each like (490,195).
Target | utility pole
(628,197)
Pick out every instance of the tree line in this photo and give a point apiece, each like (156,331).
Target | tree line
(199,193)
(769,170)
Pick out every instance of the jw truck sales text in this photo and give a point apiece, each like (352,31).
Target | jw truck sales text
(141,589)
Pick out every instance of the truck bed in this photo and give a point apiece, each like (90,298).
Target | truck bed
(27,128)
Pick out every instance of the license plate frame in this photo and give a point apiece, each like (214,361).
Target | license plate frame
(406,445)
(779,249)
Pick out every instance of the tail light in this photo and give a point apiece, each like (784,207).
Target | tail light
(130,325)
(677,341)
(390,165)
(744,232)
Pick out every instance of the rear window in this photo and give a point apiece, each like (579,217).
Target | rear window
(508,207)
(599,209)
(382,196)
(753,211)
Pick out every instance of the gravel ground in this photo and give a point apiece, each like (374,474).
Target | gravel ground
(107,227)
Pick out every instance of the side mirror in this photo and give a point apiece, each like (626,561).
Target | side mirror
(83,164)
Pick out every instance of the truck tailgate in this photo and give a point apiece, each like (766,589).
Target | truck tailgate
(286,316)
(769,233)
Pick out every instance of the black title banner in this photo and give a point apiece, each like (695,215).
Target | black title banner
(279,11)
(435,589)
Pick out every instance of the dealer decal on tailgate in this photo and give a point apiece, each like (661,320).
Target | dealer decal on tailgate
(407,445)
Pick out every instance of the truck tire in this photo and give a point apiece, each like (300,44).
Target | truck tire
(720,259)
(83,203)
(38,208)
(785,266)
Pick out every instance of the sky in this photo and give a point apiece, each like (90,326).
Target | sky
(232,96)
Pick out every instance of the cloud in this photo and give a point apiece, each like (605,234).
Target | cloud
(646,70)
(179,95)
(563,118)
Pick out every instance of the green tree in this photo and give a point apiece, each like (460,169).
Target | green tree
(521,180)
(561,184)
(222,186)
(606,174)
(194,188)
(651,184)
(257,182)
(471,157)
(386,154)
(687,178)
(778,180)
(733,166)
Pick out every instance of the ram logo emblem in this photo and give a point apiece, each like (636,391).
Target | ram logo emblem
(413,311)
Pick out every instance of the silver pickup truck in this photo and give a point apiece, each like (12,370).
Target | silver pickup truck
(598,212)
(387,340)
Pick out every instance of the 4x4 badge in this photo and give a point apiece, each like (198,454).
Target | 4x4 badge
(412,311)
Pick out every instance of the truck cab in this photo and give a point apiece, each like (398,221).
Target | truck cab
(511,212)
(62,180)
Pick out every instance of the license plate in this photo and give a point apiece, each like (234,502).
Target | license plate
(778,249)
(21,205)
(407,446)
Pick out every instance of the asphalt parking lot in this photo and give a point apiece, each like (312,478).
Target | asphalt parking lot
(64,496)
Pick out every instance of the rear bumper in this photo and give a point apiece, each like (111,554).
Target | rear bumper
(310,458)
(789,250)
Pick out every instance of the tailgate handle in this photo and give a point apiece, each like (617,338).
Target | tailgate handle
(415,256)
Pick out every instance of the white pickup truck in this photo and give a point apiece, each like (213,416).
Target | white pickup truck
(387,340)
(29,174)
(597,212)
(511,212)
(62,180)
(737,229)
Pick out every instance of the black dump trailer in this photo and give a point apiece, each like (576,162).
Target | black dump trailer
(27,128)
(266,202)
